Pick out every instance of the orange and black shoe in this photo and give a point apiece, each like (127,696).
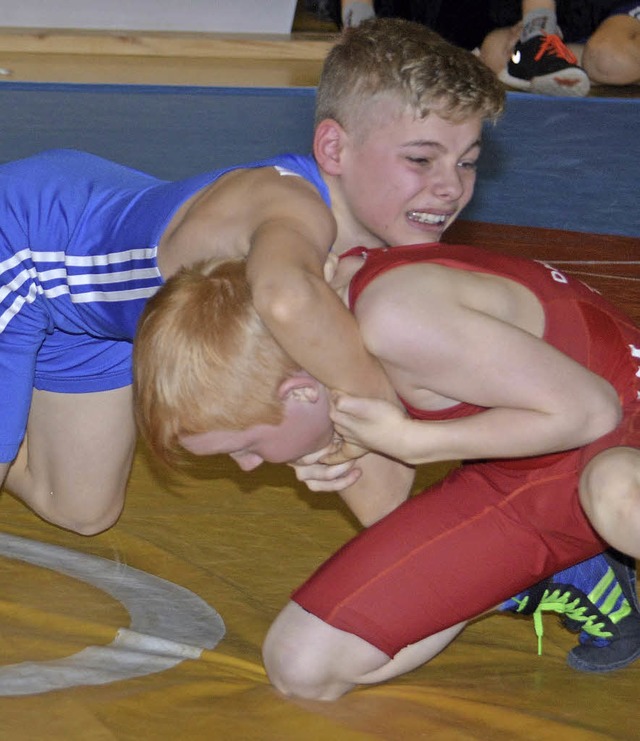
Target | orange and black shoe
(545,65)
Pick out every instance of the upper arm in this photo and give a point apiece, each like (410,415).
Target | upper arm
(293,228)
(423,335)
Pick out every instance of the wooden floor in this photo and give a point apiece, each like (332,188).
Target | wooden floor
(610,264)
(240,542)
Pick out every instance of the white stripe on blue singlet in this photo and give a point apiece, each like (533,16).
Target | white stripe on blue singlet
(19,301)
(83,279)
(89,278)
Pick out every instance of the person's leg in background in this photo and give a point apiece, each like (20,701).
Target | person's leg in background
(538,61)
(611,55)
(353,12)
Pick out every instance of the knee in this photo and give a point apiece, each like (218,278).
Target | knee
(296,669)
(307,658)
(610,64)
(610,486)
(93,523)
(87,514)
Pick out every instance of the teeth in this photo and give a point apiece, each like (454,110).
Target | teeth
(425,218)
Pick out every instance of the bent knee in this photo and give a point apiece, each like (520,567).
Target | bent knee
(611,479)
(608,65)
(307,658)
(298,670)
(85,515)
(98,523)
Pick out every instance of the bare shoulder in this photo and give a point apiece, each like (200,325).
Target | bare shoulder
(439,302)
(223,218)
(271,186)
(398,289)
(249,189)
(401,299)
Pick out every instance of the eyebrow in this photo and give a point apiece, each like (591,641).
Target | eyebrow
(438,145)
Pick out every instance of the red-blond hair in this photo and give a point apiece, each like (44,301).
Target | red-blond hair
(203,360)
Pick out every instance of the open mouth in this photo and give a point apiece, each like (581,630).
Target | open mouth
(424,217)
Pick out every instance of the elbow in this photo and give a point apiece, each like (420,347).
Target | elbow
(281,303)
(611,418)
(606,417)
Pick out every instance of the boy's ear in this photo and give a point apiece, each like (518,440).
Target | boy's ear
(299,387)
(328,142)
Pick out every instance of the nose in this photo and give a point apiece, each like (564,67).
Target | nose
(447,182)
(247,461)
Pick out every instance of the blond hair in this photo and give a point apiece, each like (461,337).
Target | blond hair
(203,360)
(406,60)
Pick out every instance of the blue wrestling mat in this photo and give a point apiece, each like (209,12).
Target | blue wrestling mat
(560,163)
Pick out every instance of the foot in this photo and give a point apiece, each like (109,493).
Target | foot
(620,597)
(596,597)
(544,65)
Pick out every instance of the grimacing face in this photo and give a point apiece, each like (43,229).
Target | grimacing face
(408,180)
(305,428)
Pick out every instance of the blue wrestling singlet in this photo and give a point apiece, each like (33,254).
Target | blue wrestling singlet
(78,261)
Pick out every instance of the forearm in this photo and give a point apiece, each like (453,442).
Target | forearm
(501,433)
(384,485)
(310,322)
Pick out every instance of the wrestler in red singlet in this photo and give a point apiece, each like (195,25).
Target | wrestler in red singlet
(489,529)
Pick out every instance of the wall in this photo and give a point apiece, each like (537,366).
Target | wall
(207,16)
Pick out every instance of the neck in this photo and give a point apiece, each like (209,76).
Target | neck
(345,271)
(351,233)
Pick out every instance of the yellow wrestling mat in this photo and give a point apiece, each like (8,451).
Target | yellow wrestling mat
(114,637)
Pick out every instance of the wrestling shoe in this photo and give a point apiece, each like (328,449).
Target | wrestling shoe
(544,65)
(616,587)
(596,597)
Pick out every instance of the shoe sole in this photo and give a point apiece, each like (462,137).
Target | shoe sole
(600,664)
(573,83)
(624,568)
(515,82)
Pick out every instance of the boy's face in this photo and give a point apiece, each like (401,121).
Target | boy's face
(406,180)
(305,428)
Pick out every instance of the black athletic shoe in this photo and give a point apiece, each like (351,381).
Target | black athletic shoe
(545,65)
(601,654)
(596,597)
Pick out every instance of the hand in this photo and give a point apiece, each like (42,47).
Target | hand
(320,476)
(330,266)
(340,451)
(374,424)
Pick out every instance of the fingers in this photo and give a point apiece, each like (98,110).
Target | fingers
(320,477)
(312,458)
(345,404)
(346,452)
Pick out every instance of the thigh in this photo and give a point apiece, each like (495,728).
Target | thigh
(617,29)
(74,465)
(453,552)
(306,657)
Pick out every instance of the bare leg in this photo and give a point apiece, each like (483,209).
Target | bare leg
(73,466)
(497,47)
(612,54)
(528,6)
(610,496)
(305,657)
(353,12)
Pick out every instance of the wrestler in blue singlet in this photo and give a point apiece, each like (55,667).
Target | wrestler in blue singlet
(78,249)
